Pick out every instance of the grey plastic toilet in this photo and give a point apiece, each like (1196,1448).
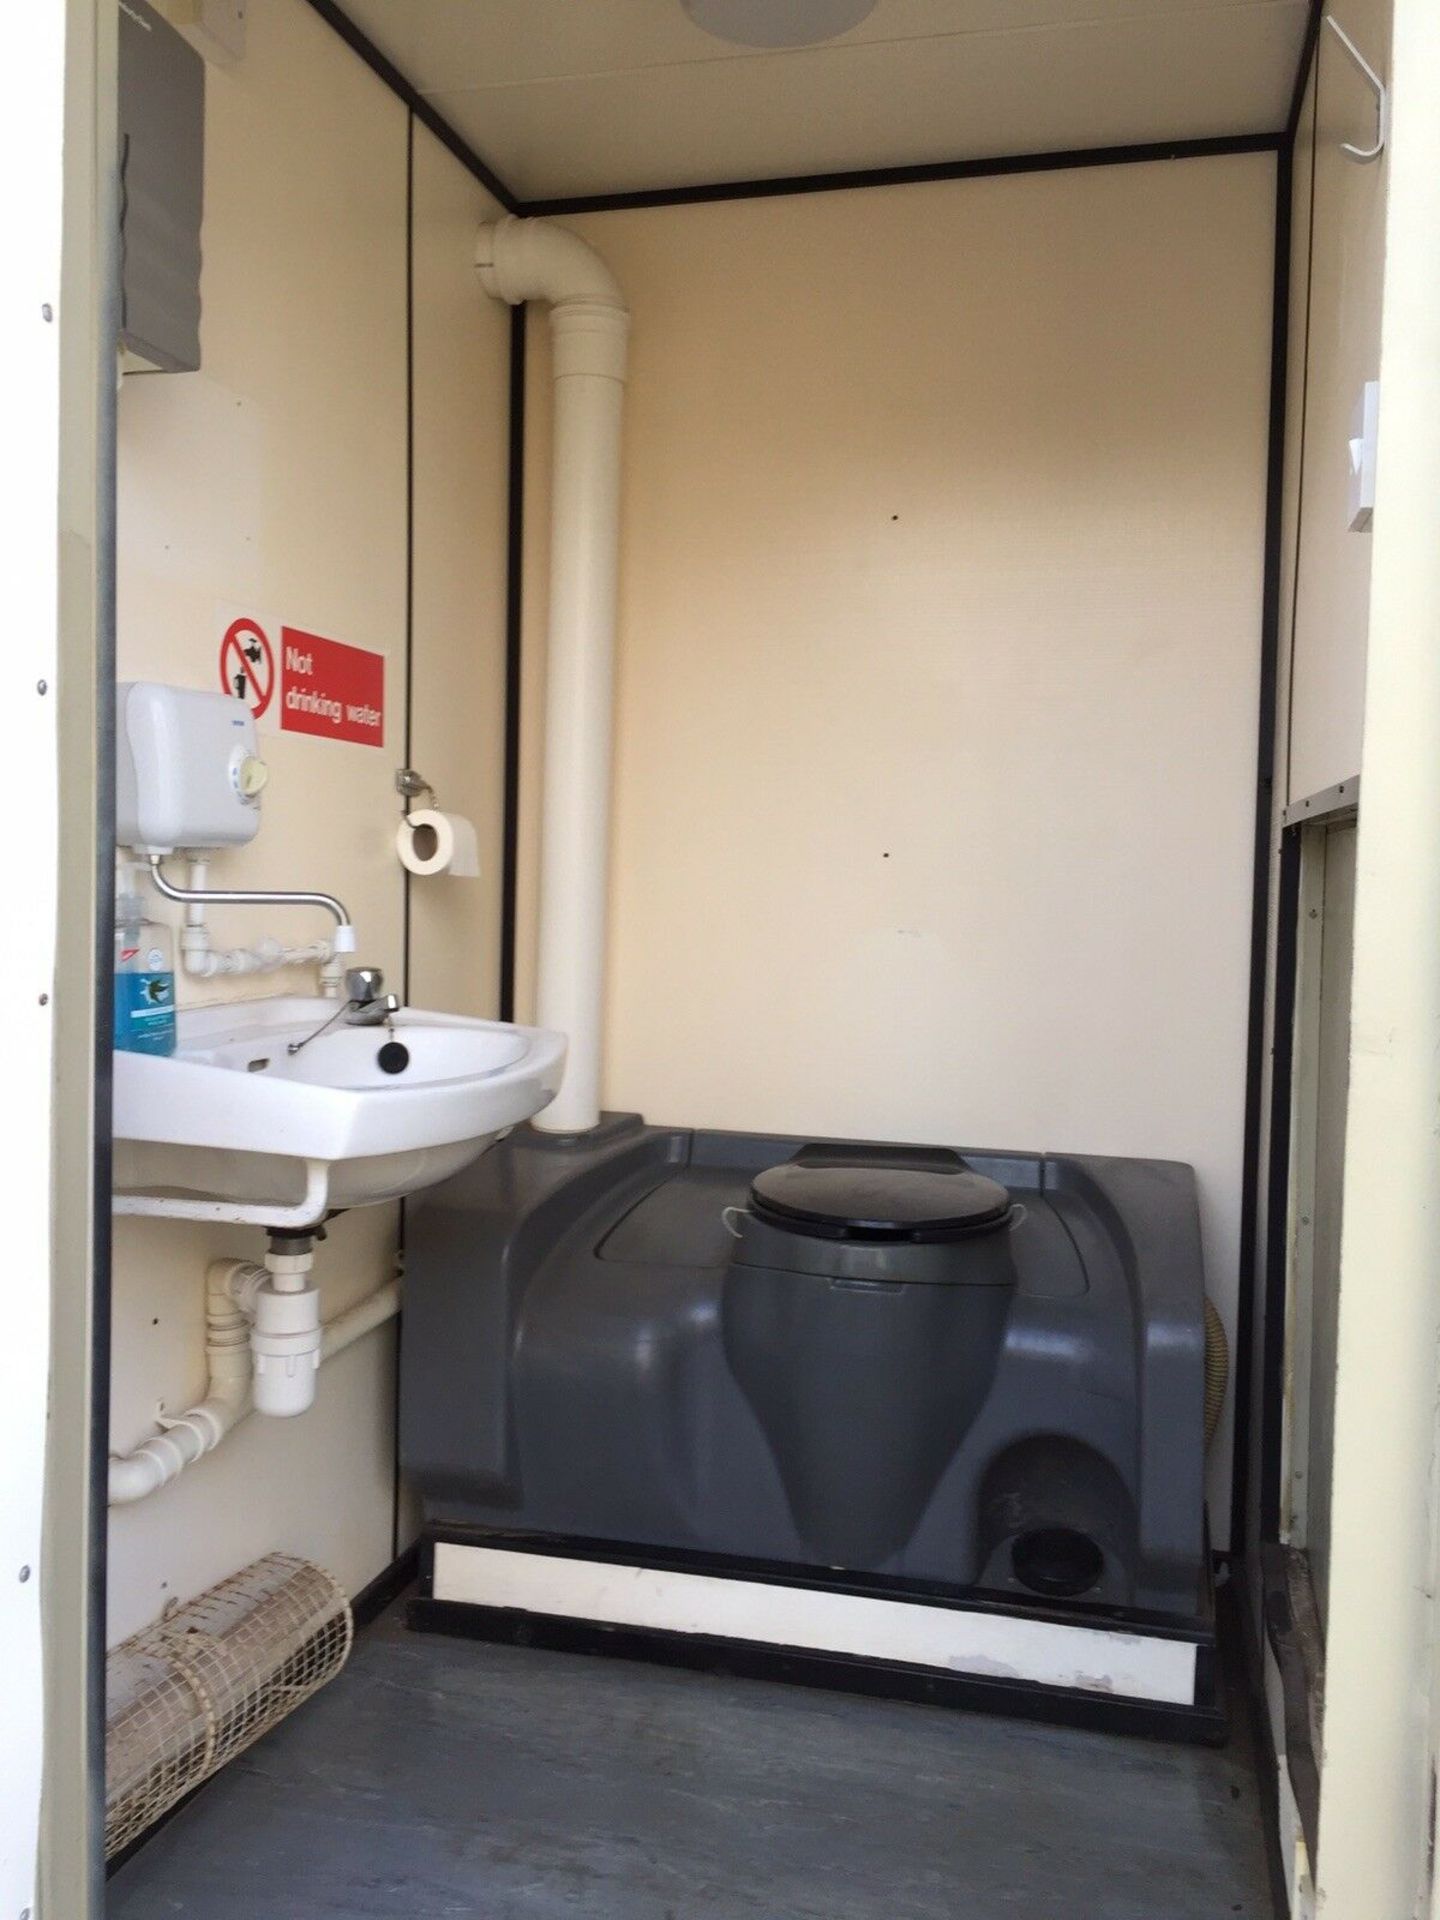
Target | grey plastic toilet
(952,1371)
(863,1315)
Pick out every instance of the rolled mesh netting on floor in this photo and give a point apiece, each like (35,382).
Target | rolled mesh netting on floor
(188,1693)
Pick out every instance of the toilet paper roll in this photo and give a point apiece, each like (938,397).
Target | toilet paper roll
(429,841)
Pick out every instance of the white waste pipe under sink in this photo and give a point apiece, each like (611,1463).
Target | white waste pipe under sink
(522,260)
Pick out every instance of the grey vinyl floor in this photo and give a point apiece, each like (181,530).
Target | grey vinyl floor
(448,1778)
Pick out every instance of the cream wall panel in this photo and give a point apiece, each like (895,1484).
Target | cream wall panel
(275,478)
(461,455)
(1346,240)
(943,530)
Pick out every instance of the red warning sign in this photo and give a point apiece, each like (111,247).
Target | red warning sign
(247,664)
(330,689)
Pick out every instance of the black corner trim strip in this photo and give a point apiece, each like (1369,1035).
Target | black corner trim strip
(514,641)
(387,1586)
(1249,1329)
(1270,1333)
(1302,73)
(336,18)
(908,176)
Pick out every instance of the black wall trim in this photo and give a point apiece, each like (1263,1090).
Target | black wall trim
(386,70)
(408,886)
(386,1587)
(1250,1330)
(985,169)
(409,746)
(514,614)
(1302,75)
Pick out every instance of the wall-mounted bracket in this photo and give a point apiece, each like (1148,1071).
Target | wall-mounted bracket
(410,784)
(1377,87)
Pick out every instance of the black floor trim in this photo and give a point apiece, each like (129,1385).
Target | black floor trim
(890,1680)
(1207,1721)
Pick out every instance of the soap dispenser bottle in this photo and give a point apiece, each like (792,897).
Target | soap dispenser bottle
(144,977)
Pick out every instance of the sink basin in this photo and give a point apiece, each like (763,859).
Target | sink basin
(232,1126)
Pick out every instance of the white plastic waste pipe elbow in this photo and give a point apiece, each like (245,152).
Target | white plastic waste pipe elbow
(523,260)
(234,1290)
(200,1429)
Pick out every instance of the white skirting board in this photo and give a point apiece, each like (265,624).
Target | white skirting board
(992,1646)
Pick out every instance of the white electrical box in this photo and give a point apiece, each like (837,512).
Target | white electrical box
(186,771)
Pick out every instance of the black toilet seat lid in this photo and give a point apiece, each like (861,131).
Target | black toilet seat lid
(878,1202)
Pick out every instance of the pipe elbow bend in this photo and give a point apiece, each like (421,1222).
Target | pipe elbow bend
(521,259)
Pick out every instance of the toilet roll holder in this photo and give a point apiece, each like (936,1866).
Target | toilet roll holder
(410,784)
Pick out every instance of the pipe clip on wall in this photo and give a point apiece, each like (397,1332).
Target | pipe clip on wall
(264,1343)
(521,260)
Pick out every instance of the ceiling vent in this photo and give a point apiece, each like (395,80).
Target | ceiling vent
(777,23)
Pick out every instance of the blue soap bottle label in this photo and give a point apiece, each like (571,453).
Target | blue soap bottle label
(144,981)
(145,1012)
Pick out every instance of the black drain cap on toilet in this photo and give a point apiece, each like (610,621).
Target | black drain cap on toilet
(853,1200)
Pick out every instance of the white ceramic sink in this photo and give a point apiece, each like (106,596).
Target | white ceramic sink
(232,1126)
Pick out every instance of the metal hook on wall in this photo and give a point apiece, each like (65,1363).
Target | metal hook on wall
(1377,87)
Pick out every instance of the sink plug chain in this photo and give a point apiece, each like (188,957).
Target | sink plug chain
(366,1004)
(294,1046)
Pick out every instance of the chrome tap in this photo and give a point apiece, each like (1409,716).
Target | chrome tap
(367,1005)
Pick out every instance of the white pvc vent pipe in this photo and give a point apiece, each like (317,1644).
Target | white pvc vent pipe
(523,260)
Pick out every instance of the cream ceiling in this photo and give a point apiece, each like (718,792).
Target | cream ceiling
(567,97)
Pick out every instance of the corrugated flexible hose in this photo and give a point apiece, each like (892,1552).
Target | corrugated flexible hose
(1217,1368)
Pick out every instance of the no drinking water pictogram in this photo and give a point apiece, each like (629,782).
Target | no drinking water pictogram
(247,664)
